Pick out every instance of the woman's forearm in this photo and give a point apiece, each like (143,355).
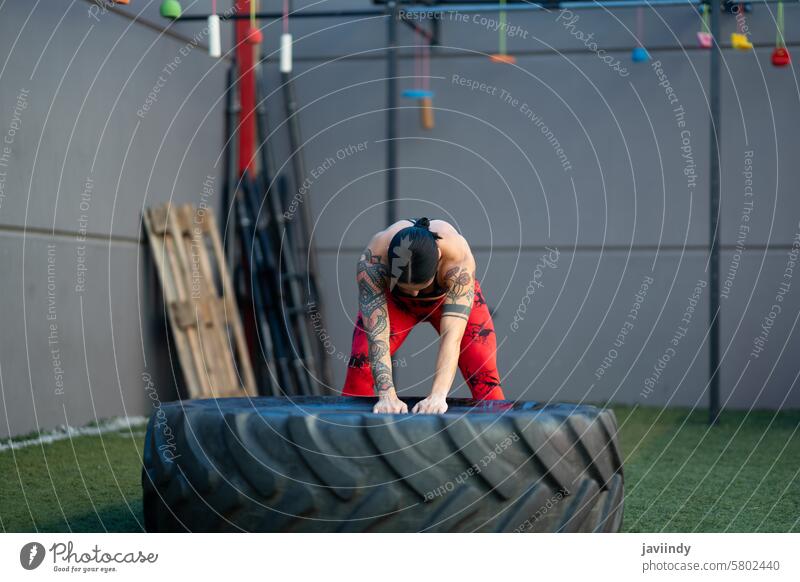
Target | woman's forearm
(371,279)
(380,362)
(446,362)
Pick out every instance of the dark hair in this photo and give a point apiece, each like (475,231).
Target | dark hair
(413,254)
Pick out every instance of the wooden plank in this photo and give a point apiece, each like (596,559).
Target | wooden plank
(226,354)
(180,269)
(212,344)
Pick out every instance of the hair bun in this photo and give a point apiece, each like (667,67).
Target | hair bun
(423,222)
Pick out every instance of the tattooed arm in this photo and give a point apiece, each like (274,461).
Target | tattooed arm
(460,280)
(372,277)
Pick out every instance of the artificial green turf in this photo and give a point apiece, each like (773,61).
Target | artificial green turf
(742,475)
(84,484)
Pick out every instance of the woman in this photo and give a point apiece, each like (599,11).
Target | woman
(406,275)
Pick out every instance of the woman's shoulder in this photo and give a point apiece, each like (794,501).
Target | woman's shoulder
(442,227)
(450,237)
(454,246)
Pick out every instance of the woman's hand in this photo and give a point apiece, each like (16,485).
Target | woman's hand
(390,404)
(433,404)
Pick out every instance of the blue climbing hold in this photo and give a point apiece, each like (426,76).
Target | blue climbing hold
(417,94)
(640,54)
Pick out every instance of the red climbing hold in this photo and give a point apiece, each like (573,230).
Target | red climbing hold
(780,57)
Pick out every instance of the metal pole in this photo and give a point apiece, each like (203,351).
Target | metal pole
(293,15)
(464,8)
(391,114)
(228,226)
(713,313)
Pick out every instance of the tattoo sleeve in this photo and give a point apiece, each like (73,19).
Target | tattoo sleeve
(460,293)
(372,276)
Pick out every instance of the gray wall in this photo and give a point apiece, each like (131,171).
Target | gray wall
(620,213)
(623,210)
(83,74)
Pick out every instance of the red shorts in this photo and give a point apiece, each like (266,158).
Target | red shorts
(477,360)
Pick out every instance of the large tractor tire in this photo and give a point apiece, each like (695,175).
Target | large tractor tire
(327,464)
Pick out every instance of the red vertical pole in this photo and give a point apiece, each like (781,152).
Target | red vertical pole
(247,89)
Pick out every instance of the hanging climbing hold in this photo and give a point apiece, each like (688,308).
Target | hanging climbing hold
(171,9)
(421,92)
(780,57)
(417,94)
(640,54)
(503,58)
(214,42)
(740,41)
(704,38)
(254,36)
(426,112)
(286,53)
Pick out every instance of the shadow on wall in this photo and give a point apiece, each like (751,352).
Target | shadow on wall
(162,364)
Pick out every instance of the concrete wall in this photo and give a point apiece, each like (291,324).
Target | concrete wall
(82,159)
(621,209)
